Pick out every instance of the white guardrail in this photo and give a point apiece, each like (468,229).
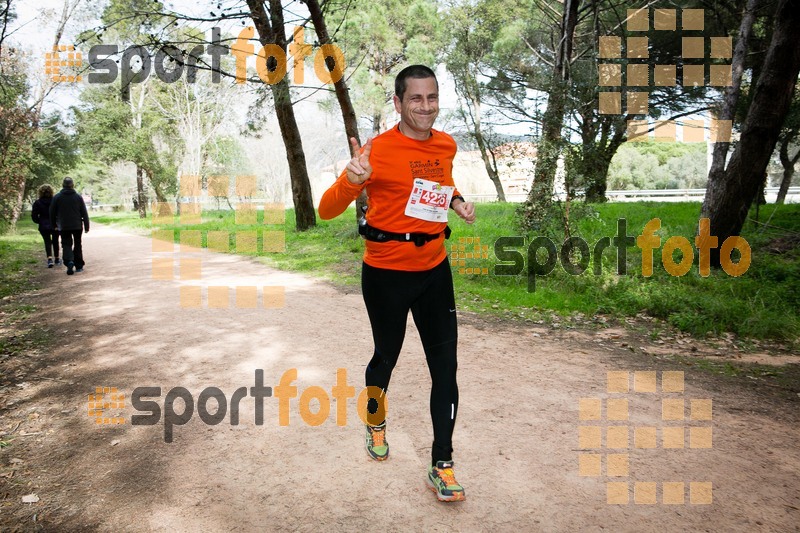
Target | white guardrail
(651,195)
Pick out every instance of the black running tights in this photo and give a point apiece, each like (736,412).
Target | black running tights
(389,295)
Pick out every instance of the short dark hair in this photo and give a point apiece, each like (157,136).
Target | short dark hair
(418,72)
(68,183)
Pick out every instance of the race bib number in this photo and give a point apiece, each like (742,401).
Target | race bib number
(429,201)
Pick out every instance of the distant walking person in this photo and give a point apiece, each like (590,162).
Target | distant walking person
(41,215)
(68,213)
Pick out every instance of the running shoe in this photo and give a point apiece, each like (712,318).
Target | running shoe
(377,447)
(442,481)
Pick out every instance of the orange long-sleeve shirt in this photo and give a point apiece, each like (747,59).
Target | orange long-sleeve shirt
(396,162)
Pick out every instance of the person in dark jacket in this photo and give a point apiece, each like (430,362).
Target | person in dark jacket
(68,212)
(41,215)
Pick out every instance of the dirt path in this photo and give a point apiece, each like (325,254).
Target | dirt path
(517,437)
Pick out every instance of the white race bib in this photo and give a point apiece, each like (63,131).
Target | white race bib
(429,201)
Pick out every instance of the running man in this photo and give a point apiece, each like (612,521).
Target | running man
(407,172)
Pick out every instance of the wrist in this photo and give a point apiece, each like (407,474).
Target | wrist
(453,203)
(354,184)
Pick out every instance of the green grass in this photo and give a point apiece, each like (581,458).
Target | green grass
(19,258)
(761,304)
(21,253)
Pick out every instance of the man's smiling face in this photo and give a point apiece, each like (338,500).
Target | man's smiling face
(419,107)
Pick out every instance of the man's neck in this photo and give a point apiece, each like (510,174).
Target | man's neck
(417,136)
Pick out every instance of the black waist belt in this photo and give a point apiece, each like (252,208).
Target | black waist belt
(419,239)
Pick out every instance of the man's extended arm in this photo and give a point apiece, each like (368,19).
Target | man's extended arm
(349,184)
(338,197)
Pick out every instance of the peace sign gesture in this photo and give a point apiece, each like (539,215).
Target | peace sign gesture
(358,169)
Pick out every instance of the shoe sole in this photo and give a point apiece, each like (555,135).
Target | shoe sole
(457,497)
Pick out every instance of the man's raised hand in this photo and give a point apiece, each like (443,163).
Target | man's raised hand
(358,169)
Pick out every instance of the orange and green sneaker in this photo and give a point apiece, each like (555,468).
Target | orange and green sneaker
(377,446)
(442,481)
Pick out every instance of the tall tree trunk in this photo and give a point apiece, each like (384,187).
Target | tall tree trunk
(549,149)
(761,196)
(141,196)
(471,93)
(342,92)
(377,118)
(160,197)
(728,203)
(19,197)
(596,154)
(595,172)
(271,31)
(489,163)
(601,137)
(728,111)
(305,217)
(136,122)
(788,164)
